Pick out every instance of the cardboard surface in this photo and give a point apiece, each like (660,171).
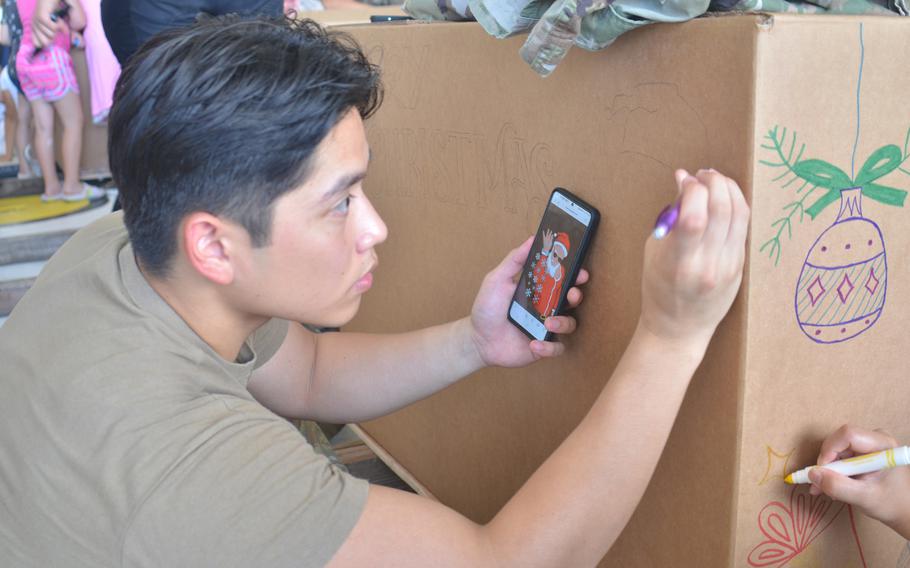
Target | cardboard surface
(466,149)
(797,389)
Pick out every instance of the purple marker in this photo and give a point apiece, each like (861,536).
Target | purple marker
(666,220)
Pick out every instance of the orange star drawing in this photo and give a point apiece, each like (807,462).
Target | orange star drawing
(779,472)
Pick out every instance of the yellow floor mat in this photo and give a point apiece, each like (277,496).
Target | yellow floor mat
(28,208)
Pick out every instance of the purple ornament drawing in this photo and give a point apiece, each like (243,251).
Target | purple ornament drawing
(844,280)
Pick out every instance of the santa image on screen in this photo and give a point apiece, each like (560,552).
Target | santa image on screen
(549,273)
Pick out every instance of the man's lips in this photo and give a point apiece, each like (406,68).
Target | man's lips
(365,282)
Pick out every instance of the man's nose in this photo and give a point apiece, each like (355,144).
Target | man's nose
(373,230)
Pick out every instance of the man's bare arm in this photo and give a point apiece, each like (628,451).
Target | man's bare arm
(564,515)
(351,377)
(567,515)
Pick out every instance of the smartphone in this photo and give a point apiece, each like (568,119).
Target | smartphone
(559,247)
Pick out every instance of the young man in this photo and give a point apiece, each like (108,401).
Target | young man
(144,373)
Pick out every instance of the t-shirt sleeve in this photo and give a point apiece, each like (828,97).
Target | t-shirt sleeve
(266,340)
(251,493)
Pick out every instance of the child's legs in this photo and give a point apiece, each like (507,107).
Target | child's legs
(24,134)
(11,117)
(44,144)
(49,76)
(69,108)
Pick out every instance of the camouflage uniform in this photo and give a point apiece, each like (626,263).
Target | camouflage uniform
(451,10)
(823,7)
(595,24)
(555,25)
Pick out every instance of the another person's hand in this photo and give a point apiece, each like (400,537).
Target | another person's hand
(691,276)
(883,495)
(499,342)
(43,27)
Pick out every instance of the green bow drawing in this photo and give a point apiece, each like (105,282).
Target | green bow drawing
(812,177)
(823,174)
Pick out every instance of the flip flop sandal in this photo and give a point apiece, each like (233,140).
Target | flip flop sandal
(89,192)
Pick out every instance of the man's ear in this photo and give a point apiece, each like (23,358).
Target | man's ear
(208,242)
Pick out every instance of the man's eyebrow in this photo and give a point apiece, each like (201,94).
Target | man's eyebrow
(342,183)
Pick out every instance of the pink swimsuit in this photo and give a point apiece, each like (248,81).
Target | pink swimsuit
(49,74)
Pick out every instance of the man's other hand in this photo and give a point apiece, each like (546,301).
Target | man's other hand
(499,342)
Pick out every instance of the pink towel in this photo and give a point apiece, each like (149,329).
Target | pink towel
(103,69)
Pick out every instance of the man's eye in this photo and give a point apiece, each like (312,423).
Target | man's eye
(342,206)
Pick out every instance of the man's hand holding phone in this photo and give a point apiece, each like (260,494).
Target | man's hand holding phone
(500,343)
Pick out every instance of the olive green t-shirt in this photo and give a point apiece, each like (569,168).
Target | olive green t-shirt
(125,440)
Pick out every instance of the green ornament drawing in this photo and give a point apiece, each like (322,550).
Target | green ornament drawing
(819,183)
(842,286)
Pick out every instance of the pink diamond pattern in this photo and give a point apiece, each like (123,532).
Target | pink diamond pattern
(845,288)
(872,281)
(816,290)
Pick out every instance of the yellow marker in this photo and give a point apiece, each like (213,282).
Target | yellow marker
(858,465)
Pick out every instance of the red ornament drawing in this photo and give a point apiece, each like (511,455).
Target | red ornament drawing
(790,529)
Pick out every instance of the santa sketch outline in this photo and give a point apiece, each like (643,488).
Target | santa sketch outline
(549,274)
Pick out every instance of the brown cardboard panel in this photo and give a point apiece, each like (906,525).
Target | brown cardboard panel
(801,385)
(466,150)
(468,146)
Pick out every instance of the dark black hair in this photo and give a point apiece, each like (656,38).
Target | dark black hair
(224,117)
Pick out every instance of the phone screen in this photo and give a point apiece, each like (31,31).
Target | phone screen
(553,262)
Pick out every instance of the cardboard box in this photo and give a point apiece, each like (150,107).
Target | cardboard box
(469,144)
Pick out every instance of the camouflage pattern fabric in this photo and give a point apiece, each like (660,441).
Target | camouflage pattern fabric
(595,24)
(822,7)
(559,29)
(502,18)
(554,26)
(451,10)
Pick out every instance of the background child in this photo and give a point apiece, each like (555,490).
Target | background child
(49,81)
(11,34)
